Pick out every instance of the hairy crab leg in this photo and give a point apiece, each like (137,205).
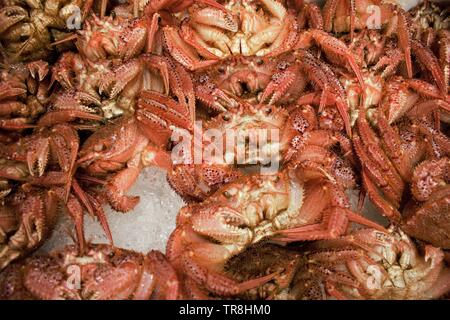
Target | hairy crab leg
(431,63)
(334,224)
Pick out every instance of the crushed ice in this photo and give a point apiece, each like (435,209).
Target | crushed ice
(147,227)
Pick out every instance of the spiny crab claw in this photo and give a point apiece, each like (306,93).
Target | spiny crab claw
(215,17)
(38,69)
(70,106)
(223,224)
(37,158)
(181,51)
(281,83)
(116,187)
(215,98)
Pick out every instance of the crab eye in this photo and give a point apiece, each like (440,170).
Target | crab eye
(221,70)
(226,117)
(268,110)
(259,62)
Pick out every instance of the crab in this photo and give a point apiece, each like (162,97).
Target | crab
(238,78)
(104,272)
(46,160)
(405,130)
(112,38)
(281,206)
(108,89)
(284,138)
(371,264)
(29,27)
(248,28)
(24,94)
(57,145)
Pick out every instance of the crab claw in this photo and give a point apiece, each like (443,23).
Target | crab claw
(222,223)
(158,116)
(37,157)
(115,81)
(279,85)
(160,279)
(182,52)
(176,114)
(10,15)
(213,97)
(216,18)
(38,69)
(196,182)
(118,185)
(214,281)
(198,261)
(70,106)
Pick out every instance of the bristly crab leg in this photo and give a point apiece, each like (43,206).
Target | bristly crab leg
(321,75)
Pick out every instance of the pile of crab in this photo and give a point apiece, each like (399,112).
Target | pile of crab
(351,108)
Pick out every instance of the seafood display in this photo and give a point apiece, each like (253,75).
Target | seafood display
(267,117)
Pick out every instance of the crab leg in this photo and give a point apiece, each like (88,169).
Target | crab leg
(431,63)
(321,75)
(61,116)
(329,11)
(214,281)
(384,206)
(335,223)
(404,38)
(335,46)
